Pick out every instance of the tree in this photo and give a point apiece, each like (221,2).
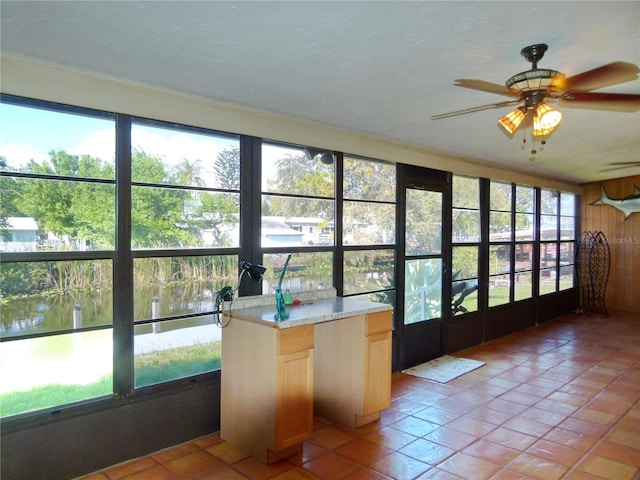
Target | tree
(227,168)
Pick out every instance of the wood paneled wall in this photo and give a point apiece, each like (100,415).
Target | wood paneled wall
(623,290)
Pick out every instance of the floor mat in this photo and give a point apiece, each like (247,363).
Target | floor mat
(444,369)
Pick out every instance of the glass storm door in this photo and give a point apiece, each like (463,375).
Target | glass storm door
(424,264)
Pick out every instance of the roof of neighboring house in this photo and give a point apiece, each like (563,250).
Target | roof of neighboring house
(21,223)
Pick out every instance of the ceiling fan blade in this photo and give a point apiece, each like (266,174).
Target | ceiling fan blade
(485,87)
(622,167)
(604,76)
(475,109)
(615,102)
(634,163)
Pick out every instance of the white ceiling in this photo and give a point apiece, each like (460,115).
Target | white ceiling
(381,68)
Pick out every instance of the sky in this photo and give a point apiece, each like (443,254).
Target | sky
(30,133)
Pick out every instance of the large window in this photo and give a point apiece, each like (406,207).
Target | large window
(369,229)
(500,243)
(57,223)
(524,236)
(466,243)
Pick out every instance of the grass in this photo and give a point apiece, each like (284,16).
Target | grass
(150,368)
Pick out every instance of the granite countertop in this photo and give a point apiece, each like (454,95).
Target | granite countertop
(312,311)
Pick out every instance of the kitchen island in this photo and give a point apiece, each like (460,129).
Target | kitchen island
(331,357)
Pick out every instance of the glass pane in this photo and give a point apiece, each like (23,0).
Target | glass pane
(176,218)
(524,256)
(281,225)
(466,225)
(523,288)
(499,259)
(57,215)
(500,196)
(566,277)
(567,204)
(174,156)
(423,290)
(524,199)
(368,270)
(466,192)
(369,180)
(566,253)
(53,143)
(366,223)
(499,288)
(548,227)
(306,271)
(41,297)
(524,226)
(387,296)
(289,170)
(55,370)
(464,262)
(549,202)
(567,228)
(423,234)
(169,286)
(547,280)
(464,296)
(499,226)
(548,255)
(175,349)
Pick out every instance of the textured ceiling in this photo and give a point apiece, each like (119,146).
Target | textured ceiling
(379,68)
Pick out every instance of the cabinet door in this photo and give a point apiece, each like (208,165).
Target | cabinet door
(377,389)
(294,398)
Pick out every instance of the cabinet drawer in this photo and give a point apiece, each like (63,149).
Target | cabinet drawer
(295,339)
(379,322)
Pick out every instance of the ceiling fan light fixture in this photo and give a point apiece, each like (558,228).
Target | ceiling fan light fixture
(512,120)
(545,120)
(539,79)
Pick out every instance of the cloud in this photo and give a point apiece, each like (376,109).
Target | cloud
(19,155)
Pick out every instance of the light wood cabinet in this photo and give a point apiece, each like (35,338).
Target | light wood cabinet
(275,377)
(353,368)
(267,388)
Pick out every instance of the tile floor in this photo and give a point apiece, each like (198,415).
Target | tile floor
(561,400)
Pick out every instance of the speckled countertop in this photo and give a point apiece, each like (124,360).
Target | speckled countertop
(325,308)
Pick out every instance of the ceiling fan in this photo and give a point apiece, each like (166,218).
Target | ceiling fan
(532,89)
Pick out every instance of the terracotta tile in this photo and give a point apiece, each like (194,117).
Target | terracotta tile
(451,438)
(365,474)
(556,407)
(618,452)
(207,441)
(491,452)
(608,469)
(509,475)
(555,452)
(521,397)
(363,451)
(427,451)
(174,452)
(530,427)
(437,474)
(331,466)
(331,437)
(490,415)
(436,415)
(309,451)
(511,438)
(129,468)
(226,452)
(506,406)
(536,390)
(390,437)
(625,437)
(575,440)
(414,426)
(223,473)
(582,426)
(472,426)
(580,475)
(596,416)
(390,415)
(194,464)
(153,473)
(397,465)
(256,470)
(542,416)
(468,467)
(294,474)
(538,468)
